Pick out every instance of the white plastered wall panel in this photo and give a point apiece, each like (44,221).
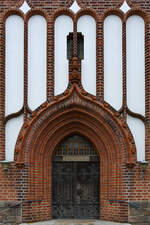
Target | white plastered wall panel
(136,79)
(113,61)
(137,128)
(37,61)
(87,26)
(13,127)
(63,26)
(14,64)
(136,64)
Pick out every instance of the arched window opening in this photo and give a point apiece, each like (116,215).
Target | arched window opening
(76,145)
(80,46)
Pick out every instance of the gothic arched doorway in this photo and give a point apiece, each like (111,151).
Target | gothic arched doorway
(75,179)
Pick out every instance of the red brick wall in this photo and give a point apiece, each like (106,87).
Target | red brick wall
(61,115)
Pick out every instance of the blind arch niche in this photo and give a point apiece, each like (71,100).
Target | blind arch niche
(136,64)
(113,61)
(87,26)
(14,80)
(63,26)
(135,31)
(37,63)
(14,64)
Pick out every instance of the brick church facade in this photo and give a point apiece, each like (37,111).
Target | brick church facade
(27,181)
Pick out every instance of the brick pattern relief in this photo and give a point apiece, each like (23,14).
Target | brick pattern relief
(74,111)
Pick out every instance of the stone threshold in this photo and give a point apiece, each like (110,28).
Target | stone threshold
(76,222)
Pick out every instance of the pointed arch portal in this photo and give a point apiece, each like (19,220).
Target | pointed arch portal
(38,147)
(75,179)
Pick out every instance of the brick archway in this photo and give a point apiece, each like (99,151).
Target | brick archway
(75,113)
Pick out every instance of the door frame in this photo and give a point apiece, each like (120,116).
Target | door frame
(73,156)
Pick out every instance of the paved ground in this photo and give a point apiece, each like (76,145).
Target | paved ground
(76,222)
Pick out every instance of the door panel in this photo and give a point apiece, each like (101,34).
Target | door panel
(62,190)
(75,188)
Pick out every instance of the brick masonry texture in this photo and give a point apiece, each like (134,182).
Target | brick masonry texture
(29,176)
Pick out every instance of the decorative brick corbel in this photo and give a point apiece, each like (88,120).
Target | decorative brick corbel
(20,165)
(75,76)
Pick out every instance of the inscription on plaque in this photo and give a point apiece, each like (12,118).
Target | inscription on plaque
(76,158)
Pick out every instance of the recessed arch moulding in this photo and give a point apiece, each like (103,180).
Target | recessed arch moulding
(74,112)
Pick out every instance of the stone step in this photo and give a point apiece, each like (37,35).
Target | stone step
(76,222)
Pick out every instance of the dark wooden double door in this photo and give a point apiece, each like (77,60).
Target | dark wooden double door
(75,190)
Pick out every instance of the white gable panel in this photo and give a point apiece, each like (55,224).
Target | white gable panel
(13,127)
(37,65)
(138,130)
(63,25)
(75,7)
(136,64)
(87,26)
(125,7)
(14,64)
(113,61)
(25,7)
